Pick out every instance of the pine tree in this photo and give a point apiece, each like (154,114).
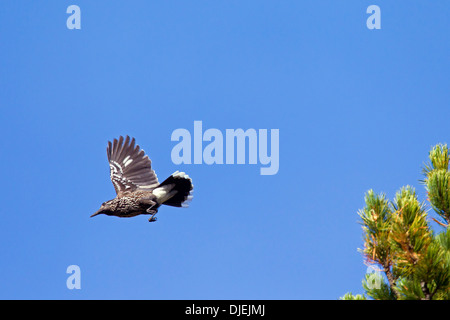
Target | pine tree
(411,259)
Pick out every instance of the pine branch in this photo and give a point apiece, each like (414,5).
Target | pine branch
(392,281)
(437,181)
(399,238)
(425,291)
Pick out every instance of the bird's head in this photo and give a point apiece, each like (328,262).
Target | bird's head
(105,209)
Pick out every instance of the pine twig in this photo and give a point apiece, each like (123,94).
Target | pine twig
(391,280)
(440,223)
(426,291)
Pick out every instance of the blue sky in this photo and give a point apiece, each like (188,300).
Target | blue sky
(356,109)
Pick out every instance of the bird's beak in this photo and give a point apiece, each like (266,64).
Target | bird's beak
(98,212)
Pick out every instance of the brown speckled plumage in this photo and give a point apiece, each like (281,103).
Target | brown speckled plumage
(136,184)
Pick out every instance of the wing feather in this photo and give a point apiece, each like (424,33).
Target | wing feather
(130,167)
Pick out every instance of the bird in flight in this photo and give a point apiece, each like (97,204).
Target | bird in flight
(137,187)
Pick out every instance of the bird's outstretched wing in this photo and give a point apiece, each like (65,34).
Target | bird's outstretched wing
(130,167)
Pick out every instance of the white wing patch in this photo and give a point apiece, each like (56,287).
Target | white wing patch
(117,177)
(130,167)
(127,161)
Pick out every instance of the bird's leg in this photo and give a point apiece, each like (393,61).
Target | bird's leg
(150,210)
(152,218)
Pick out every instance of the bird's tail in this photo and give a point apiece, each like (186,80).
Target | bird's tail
(175,191)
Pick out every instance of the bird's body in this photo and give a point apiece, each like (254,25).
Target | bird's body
(130,204)
(137,187)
